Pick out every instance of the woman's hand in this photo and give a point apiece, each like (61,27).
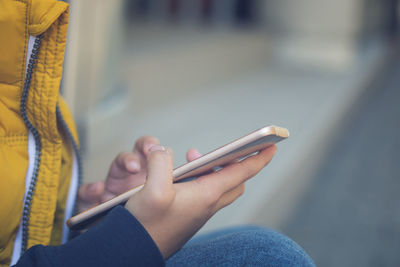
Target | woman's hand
(128,170)
(173,213)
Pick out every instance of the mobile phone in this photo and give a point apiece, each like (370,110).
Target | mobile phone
(236,150)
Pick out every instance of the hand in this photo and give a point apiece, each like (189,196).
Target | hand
(128,170)
(173,213)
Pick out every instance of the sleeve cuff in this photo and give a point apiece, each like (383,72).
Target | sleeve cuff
(119,240)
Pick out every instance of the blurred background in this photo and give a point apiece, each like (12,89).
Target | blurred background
(199,73)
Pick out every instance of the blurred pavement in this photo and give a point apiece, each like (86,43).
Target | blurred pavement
(349,215)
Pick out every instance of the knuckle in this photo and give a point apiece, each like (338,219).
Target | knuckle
(159,199)
(230,201)
(119,159)
(249,170)
(241,190)
(211,197)
(156,198)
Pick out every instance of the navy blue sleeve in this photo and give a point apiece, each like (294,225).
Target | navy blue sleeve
(119,240)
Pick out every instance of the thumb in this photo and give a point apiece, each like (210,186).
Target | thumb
(91,193)
(159,169)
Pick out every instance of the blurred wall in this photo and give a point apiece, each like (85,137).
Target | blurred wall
(93,57)
(315,32)
(105,34)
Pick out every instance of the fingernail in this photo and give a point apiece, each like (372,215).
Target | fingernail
(156,148)
(133,165)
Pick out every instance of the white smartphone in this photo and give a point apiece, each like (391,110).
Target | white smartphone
(236,150)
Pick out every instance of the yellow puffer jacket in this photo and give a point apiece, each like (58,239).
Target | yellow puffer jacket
(47,118)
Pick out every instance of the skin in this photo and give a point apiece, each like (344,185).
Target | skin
(171,213)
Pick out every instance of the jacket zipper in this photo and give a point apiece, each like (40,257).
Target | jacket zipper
(38,142)
(38,148)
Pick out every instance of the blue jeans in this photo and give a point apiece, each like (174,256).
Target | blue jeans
(241,246)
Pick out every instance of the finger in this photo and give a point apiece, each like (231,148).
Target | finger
(108,195)
(125,173)
(125,162)
(230,196)
(192,154)
(237,173)
(91,193)
(159,169)
(144,143)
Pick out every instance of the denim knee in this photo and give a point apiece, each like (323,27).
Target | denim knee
(241,246)
(264,247)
